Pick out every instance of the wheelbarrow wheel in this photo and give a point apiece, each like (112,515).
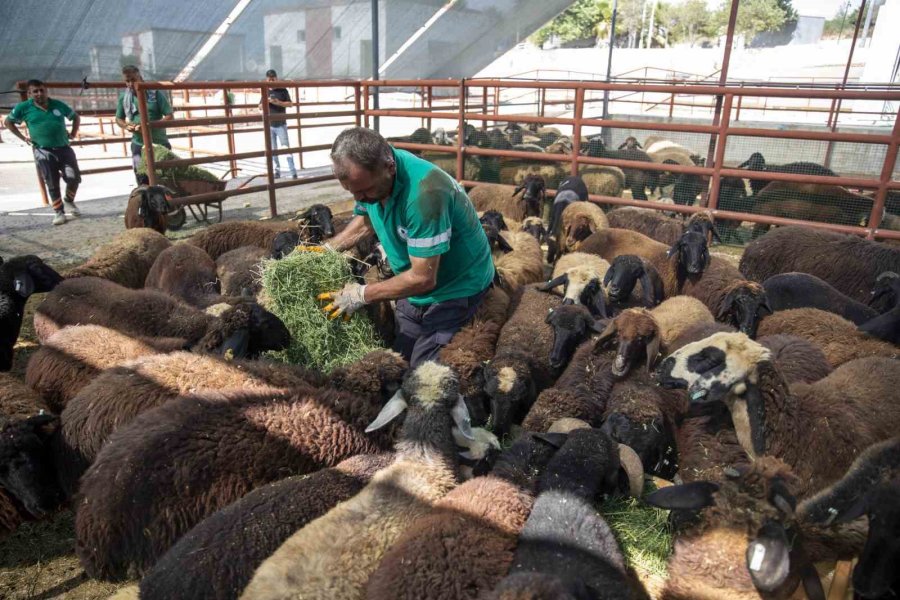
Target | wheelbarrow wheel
(177,219)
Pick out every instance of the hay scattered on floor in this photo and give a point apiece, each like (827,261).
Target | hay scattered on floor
(161,153)
(290,286)
(642,531)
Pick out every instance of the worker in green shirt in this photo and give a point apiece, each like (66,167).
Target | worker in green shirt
(46,121)
(129,118)
(430,234)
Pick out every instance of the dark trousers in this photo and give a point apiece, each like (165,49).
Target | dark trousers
(53,163)
(423,330)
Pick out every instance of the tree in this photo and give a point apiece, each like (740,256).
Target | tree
(842,22)
(686,22)
(580,21)
(754,16)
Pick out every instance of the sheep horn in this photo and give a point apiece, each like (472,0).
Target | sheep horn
(561,280)
(568,424)
(389,412)
(631,462)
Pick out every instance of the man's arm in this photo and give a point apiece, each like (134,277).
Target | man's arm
(14,128)
(420,279)
(357,229)
(76,123)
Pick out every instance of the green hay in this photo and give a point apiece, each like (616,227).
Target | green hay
(290,286)
(161,153)
(642,531)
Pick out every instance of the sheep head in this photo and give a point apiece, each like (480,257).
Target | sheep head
(509,384)
(579,230)
(572,324)
(244,330)
(744,306)
(495,218)
(691,253)
(496,241)
(630,143)
(886,293)
(756,162)
(702,222)
(27,470)
(534,226)
(634,418)
(581,285)
(318,219)
(638,340)
(534,190)
(624,272)
(284,243)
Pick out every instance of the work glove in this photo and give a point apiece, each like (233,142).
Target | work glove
(344,302)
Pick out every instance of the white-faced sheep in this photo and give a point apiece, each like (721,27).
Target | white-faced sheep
(237,271)
(20,277)
(581,276)
(801,290)
(125,260)
(159,476)
(333,557)
(521,367)
(483,517)
(838,338)
(839,416)
(523,265)
(148,206)
(315,225)
(849,263)
(249,530)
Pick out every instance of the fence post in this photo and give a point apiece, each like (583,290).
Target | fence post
(186,98)
(146,132)
(829,151)
(299,127)
(713,199)
(267,136)
(576,129)
(366,105)
(430,91)
(461,131)
(229,128)
(356,104)
(890,159)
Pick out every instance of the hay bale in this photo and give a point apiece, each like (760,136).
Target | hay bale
(290,287)
(175,174)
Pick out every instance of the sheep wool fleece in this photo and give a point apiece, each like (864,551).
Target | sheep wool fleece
(428,214)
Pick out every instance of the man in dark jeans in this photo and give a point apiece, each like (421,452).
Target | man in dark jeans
(430,233)
(279,100)
(46,121)
(129,119)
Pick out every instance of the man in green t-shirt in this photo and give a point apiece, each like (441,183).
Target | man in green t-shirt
(129,118)
(46,121)
(430,233)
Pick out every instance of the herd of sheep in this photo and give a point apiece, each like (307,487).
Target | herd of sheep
(612,347)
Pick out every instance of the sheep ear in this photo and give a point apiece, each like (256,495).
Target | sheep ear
(725,307)
(652,286)
(561,280)
(598,307)
(856,510)
(607,277)
(554,439)
(715,233)
(391,410)
(782,498)
(764,304)
(600,325)
(768,557)
(44,425)
(503,244)
(518,189)
(607,334)
(674,249)
(460,414)
(237,344)
(23,284)
(688,496)
(744,164)
(652,351)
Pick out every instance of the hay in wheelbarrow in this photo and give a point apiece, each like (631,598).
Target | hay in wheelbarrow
(175,174)
(289,289)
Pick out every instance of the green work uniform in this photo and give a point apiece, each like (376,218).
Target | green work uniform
(428,214)
(47,128)
(157,106)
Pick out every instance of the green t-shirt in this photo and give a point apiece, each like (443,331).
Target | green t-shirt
(47,128)
(157,106)
(429,214)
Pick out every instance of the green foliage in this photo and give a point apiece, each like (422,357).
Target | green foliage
(290,286)
(174,174)
(583,20)
(754,16)
(686,22)
(842,23)
(642,531)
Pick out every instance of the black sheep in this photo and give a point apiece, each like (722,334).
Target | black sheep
(637,180)
(26,464)
(757,162)
(19,278)
(801,290)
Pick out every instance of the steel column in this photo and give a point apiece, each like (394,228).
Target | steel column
(267,136)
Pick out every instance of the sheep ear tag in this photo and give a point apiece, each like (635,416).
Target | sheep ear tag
(23,283)
(389,412)
(460,414)
(768,557)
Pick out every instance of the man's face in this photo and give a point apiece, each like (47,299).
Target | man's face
(271,78)
(368,186)
(130,79)
(38,94)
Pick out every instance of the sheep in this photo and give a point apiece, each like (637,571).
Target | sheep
(315,225)
(623,275)
(576,223)
(186,272)
(649,222)
(886,293)
(746,524)
(159,476)
(468,350)
(236,271)
(797,359)
(69,359)
(534,226)
(884,327)
(870,487)
(757,162)
(849,263)
(245,327)
(839,415)
(521,266)
(603,180)
(637,180)
(565,536)
(249,530)
(581,276)
(483,517)
(571,324)
(642,334)
(810,202)
(702,222)
(20,277)
(495,218)
(148,206)
(838,338)
(800,290)
(493,196)
(125,260)
(334,556)
(729,296)
(28,486)
(520,369)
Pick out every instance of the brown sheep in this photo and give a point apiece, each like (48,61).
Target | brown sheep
(237,270)
(17,400)
(579,220)
(523,265)
(468,351)
(810,202)
(148,206)
(502,198)
(838,338)
(186,272)
(603,180)
(73,356)
(125,260)
(650,222)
